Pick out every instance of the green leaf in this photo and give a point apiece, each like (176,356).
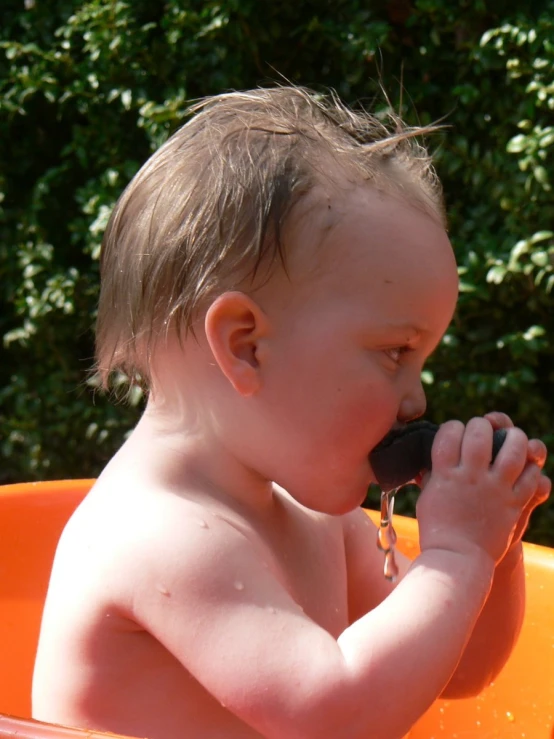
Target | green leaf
(541,236)
(496,274)
(517,144)
(547,139)
(540,258)
(541,175)
(427,377)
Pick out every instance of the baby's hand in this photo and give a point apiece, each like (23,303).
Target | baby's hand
(467,502)
(536,452)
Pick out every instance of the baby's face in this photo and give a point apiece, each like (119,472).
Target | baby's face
(349,341)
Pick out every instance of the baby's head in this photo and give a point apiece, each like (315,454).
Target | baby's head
(207,211)
(268,227)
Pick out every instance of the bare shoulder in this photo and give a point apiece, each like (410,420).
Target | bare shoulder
(149,536)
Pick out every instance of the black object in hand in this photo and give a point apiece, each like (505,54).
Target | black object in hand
(405,453)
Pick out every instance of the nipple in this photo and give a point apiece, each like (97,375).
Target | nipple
(386,537)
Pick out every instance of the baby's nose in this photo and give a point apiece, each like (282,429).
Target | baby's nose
(413,404)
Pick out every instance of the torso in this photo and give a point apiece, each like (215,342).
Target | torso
(132,684)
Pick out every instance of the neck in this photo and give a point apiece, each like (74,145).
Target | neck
(182,450)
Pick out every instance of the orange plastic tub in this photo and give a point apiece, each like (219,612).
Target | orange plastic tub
(519,704)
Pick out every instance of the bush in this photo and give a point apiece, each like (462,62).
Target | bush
(89,89)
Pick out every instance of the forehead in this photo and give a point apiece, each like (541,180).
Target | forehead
(358,244)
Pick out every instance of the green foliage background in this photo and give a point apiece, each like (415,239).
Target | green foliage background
(89,89)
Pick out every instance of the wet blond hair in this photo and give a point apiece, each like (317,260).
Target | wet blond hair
(207,210)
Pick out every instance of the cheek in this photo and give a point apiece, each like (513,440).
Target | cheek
(328,395)
(352,411)
(365,411)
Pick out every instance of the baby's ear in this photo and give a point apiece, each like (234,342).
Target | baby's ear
(235,327)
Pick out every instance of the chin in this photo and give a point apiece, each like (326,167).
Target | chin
(346,503)
(335,498)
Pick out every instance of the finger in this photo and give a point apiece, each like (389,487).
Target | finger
(537,452)
(522,525)
(544,489)
(447,445)
(499,420)
(477,443)
(526,485)
(541,494)
(512,457)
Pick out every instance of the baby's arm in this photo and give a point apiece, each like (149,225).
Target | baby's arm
(225,615)
(496,629)
(499,624)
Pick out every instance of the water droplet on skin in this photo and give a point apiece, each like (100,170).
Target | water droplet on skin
(239,585)
(162,589)
(202,523)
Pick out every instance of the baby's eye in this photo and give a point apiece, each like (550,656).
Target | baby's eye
(397,352)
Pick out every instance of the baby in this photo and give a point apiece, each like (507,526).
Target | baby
(276,276)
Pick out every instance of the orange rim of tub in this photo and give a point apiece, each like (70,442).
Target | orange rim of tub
(519,704)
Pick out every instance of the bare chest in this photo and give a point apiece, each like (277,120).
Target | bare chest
(312,566)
